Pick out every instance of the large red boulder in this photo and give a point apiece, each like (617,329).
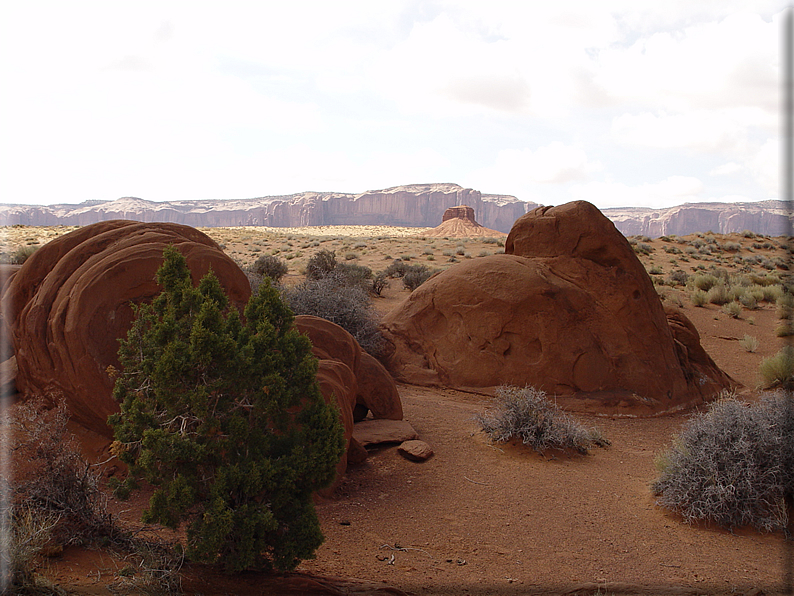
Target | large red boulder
(375,387)
(352,378)
(70,302)
(569,309)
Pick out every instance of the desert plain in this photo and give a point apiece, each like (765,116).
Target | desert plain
(483,518)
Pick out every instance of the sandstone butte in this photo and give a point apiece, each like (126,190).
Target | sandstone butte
(70,301)
(459,222)
(568,309)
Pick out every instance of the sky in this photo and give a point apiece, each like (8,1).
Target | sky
(618,102)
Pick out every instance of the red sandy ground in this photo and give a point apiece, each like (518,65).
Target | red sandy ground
(486,519)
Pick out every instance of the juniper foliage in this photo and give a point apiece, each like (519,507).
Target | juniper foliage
(223,415)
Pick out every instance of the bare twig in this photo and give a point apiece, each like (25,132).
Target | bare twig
(475,482)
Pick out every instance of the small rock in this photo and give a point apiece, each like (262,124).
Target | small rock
(373,432)
(356,453)
(415,450)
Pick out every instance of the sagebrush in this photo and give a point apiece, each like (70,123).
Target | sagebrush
(335,298)
(732,465)
(526,414)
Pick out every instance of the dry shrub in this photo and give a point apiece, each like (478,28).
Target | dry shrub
(778,370)
(334,298)
(526,414)
(731,465)
(749,343)
(55,477)
(57,501)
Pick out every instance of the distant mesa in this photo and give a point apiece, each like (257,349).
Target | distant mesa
(569,309)
(411,205)
(459,222)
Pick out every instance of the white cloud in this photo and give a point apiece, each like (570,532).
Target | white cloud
(529,173)
(672,191)
(726,169)
(700,130)
(764,166)
(711,64)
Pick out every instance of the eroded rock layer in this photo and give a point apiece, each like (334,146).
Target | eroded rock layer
(568,309)
(70,301)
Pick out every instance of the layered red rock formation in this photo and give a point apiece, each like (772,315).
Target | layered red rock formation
(762,217)
(352,378)
(459,222)
(70,302)
(569,309)
(416,205)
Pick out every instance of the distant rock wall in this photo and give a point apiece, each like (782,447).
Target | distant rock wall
(763,217)
(416,205)
(413,206)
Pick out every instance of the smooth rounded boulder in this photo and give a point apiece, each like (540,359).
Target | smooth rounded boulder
(569,309)
(72,299)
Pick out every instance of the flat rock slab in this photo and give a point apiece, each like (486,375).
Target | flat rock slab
(415,450)
(374,432)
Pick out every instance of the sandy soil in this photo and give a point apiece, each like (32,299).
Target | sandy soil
(499,519)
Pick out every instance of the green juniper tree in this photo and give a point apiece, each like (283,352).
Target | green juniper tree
(224,417)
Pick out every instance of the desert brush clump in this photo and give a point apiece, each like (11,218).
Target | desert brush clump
(222,414)
(57,501)
(271,266)
(55,477)
(732,465)
(320,264)
(778,370)
(335,299)
(525,413)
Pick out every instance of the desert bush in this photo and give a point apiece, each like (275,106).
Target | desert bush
(703,282)
(778,370)
(397,268)
(526,414)
(785,306)
(785,329)
(56,478)
(749,301)
(749,343)
(733,309)
(29,532)
(731,465)
(379,283)
(698,298)
(354,274)
(677,278)
(56,500)
(416,276)
(22,254)
(655,270)
(335,299)
(225,418)
(321,264)
(271,266)
(718,295)
(351,256)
